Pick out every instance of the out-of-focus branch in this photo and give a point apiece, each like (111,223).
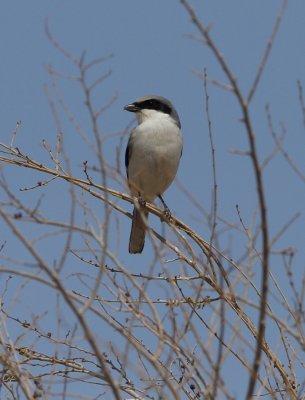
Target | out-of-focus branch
(54,277)
(17,158)
(267,50)
(244,106)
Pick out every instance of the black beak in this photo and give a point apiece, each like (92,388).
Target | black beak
(132,107)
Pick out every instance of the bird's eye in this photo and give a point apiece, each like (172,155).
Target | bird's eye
(154,104)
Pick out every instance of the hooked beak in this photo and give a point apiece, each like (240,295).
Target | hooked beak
(132,107)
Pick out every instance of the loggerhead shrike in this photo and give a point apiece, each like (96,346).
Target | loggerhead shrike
(152,158)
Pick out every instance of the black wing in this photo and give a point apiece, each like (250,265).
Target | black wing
(128,154)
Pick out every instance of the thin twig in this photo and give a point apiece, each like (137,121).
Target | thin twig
(267,50)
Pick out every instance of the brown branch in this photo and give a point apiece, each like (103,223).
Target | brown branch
(55,278)
(244,106)
(267,50)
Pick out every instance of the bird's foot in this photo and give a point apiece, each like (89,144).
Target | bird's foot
(167,213)
(141,201)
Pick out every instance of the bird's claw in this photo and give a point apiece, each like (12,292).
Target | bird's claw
(141,201)
(167,213)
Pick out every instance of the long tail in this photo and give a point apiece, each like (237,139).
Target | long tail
(137,234)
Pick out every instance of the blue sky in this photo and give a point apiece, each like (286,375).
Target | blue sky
(153,52)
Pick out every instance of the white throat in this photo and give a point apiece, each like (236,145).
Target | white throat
(144,115)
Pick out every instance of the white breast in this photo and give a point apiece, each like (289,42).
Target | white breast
(155,156)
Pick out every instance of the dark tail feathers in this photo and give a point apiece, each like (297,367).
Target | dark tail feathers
(137,234)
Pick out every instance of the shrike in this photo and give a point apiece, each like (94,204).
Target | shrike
(152,158)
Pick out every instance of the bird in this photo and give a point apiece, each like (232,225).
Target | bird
(152,158)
